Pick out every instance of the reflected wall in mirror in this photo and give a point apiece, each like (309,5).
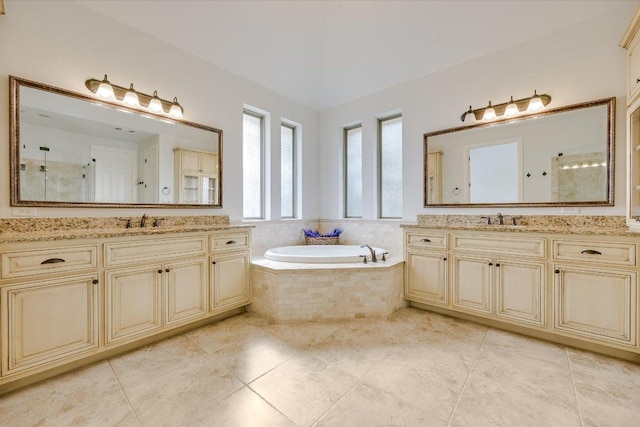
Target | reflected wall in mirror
(559,157)
(70,150)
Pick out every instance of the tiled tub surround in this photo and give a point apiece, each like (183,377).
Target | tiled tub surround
(287,292)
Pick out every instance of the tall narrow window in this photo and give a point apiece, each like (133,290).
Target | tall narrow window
(353,171)
(390,167)
(287,170)
(253,165)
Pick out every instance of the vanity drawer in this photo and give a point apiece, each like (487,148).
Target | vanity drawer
(48,261)
(229,241)
(154,250)
(595,252)
(507,246)
(426,240)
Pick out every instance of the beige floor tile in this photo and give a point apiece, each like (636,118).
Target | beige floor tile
(303,388)
(409,314)
(154,360)
(302,335)
(244,408)
(599,365)
(367,406)
(515,390)
(72,396)
(427,385)
(227,332)
(606,402)
(249,359)
(509,343)
(178,396)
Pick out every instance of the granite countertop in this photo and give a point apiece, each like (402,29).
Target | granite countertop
(553,224)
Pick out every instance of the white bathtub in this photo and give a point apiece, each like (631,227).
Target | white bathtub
(322,254)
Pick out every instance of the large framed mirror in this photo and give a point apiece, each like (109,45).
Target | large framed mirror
(558,157)
(71,150)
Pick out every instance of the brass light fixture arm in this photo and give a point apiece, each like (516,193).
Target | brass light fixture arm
(522,105)
(119,91)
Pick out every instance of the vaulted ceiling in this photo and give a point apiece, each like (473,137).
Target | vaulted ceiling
(325,53)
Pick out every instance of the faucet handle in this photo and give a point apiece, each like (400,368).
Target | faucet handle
(128,222)
(365,258)
(157,221)
(384,256)
(488,218)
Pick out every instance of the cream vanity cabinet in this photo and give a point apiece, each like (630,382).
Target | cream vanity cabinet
(64,301)
(49,305)
(583,287)
(630,41)
(230,264)
(595,287)
(426,267)
(434,177)
(196,176)
(154,283)
(499,276)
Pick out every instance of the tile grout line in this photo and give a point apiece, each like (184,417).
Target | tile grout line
(126,397)
(573,383)
(466,381)
(270,404)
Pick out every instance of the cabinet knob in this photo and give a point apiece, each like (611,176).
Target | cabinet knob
(490,264)
(213,262)
(94,281)
(160,271)
(557,271)
(497,264)
(168,270)
(444,259)
(637,80)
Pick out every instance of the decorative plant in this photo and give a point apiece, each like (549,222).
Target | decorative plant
(315,233)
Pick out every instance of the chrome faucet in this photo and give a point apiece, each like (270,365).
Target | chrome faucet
(373,253)
(500,219)
(143,221)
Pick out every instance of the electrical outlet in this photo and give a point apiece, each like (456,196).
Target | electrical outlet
(570,211)
(25,212)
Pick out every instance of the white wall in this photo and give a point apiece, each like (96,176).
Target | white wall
(578,64)
(62,44)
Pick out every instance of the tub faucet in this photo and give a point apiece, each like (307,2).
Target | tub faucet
(143,221)
(373,253)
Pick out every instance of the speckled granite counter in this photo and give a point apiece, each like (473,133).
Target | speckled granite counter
(46,229)
(556,224)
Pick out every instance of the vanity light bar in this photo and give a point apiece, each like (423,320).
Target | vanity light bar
(507,109)
(584,165)
(132,98)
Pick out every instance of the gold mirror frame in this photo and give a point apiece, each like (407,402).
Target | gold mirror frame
(610,103)
(15,83)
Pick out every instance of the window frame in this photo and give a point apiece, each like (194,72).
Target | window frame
(261,117)
(346,167)
(381,120)
(294,169)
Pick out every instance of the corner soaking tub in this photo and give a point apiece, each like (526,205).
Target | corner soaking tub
(322,254)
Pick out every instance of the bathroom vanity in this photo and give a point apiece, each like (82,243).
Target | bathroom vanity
(67,301)
(569,282)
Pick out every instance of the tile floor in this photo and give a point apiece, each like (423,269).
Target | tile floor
(415,369)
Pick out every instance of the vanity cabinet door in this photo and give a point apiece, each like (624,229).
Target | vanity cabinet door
(426,277)
(186,285)
(45,321)
(471,290)
(230,278)
(596,303)
(520,291)
(133,302)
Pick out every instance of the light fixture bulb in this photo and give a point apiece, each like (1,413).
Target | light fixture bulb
(155,104)
(489,113)
(105,90)
(176,109)
(511,109)
(535,103)
(469,117)
(131,97)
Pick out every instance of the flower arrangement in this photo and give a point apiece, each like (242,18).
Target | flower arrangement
(314,237)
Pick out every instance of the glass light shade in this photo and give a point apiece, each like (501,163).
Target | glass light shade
(535,103)
(131,97)
(469,118)
(176,110)
(105,90)
(511,109)
(489,113)
(155,105)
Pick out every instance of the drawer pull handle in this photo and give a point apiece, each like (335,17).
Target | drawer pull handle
(591,252)
(425,241)
(231,242)
(95,281)
(637,80)
(52,261)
